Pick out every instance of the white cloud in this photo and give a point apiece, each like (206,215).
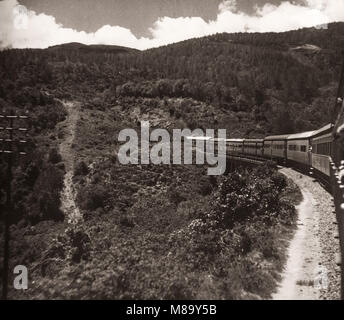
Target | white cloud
(228,5)
(21,28)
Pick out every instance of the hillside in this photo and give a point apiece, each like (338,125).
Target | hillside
(83,48)
(79,97)
(256,84)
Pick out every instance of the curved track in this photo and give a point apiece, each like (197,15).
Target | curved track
(311,272)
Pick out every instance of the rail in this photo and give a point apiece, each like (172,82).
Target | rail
(335,186)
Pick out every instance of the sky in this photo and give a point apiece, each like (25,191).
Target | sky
(144,24)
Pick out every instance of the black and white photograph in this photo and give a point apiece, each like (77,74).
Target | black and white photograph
(183,151)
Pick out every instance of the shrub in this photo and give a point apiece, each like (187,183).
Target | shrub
(205,187)
(247,194)
(127,221)
(79,242)
(81,169)
(54,156)
(93,197)
(176,196)
(49,206)
(39,198)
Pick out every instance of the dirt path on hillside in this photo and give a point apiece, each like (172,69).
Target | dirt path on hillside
(311,272)
(68,194)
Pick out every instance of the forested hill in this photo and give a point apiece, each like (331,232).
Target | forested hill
(76,46)
(190,235)
(250,84)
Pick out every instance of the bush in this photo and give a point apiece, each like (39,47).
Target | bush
(248,194)
(206,186)
(36,193)
(93,197)
(79,242)
(54,156)
(49,206)
(127,221)
(81,169)
(176,195)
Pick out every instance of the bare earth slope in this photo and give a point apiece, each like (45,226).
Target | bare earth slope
(68,194)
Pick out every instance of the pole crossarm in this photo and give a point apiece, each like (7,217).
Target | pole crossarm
(11,129)
(7,148)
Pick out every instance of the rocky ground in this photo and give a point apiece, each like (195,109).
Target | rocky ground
(68,193)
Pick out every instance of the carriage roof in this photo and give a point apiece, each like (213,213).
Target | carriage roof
(300,136)
(279,137)
(253,140)
(325,129)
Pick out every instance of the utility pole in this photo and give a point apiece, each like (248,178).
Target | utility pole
(7,149)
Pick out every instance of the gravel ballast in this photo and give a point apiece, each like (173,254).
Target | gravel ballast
(313,249)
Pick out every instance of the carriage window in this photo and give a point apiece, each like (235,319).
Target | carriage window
(323,148)
(303,148)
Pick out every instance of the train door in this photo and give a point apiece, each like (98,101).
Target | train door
(310,149)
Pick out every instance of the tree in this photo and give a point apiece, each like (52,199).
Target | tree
(283,123)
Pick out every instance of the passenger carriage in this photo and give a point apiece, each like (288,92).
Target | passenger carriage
(234,146)
(298,149)
(275,147)
(321,147)
(253,147)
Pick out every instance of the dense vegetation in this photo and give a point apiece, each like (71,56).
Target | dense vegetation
(256,83)
(222,241)
(136,217)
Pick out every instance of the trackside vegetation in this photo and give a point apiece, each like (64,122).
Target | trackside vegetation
(220,239)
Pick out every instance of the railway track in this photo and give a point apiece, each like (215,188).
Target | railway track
(333,184)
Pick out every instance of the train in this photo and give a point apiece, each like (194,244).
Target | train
(310,150)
